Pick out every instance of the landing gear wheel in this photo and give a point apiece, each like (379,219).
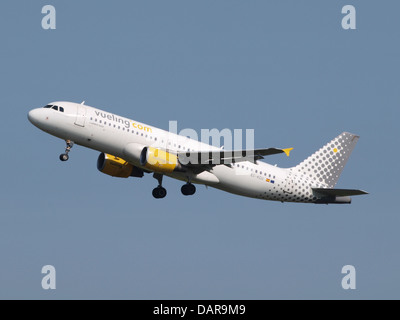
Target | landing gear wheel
(64,157)
(159,192)
(188,189)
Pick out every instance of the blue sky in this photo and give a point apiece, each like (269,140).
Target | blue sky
(286,69)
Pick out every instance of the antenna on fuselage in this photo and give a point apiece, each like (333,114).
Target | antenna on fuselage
(83,102)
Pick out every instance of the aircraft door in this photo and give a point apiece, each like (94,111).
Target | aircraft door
(80,116)
(289,184)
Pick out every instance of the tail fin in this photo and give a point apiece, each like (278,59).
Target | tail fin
(326,165)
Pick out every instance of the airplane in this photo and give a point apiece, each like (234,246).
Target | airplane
(130,148)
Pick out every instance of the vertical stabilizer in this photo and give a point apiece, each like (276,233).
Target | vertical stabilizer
(326,165)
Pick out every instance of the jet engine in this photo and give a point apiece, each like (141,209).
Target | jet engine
(159,160)
(117,167)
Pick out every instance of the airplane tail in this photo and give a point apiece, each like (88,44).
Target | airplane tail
(326,165)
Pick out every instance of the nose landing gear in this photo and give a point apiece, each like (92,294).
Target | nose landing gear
(64,156)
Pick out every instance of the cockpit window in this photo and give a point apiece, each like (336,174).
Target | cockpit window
(54,107)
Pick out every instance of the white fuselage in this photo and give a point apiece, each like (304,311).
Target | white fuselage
(109,133)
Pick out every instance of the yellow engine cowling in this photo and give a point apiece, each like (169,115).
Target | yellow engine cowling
(159,160)
(114,166)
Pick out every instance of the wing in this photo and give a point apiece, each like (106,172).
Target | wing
(339,192)
(227,157)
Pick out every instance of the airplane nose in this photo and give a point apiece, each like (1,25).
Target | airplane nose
(33,116)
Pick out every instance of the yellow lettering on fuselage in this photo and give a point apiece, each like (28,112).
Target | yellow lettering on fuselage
(141,127)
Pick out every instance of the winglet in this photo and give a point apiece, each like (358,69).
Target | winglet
(287,151)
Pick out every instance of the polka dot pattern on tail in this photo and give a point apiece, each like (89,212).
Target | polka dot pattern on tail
(326,165)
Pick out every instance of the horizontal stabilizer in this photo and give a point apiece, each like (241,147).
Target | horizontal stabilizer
(338,192)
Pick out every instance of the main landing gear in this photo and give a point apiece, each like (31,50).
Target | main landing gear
(160,192)
(64,156)
(188,189)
